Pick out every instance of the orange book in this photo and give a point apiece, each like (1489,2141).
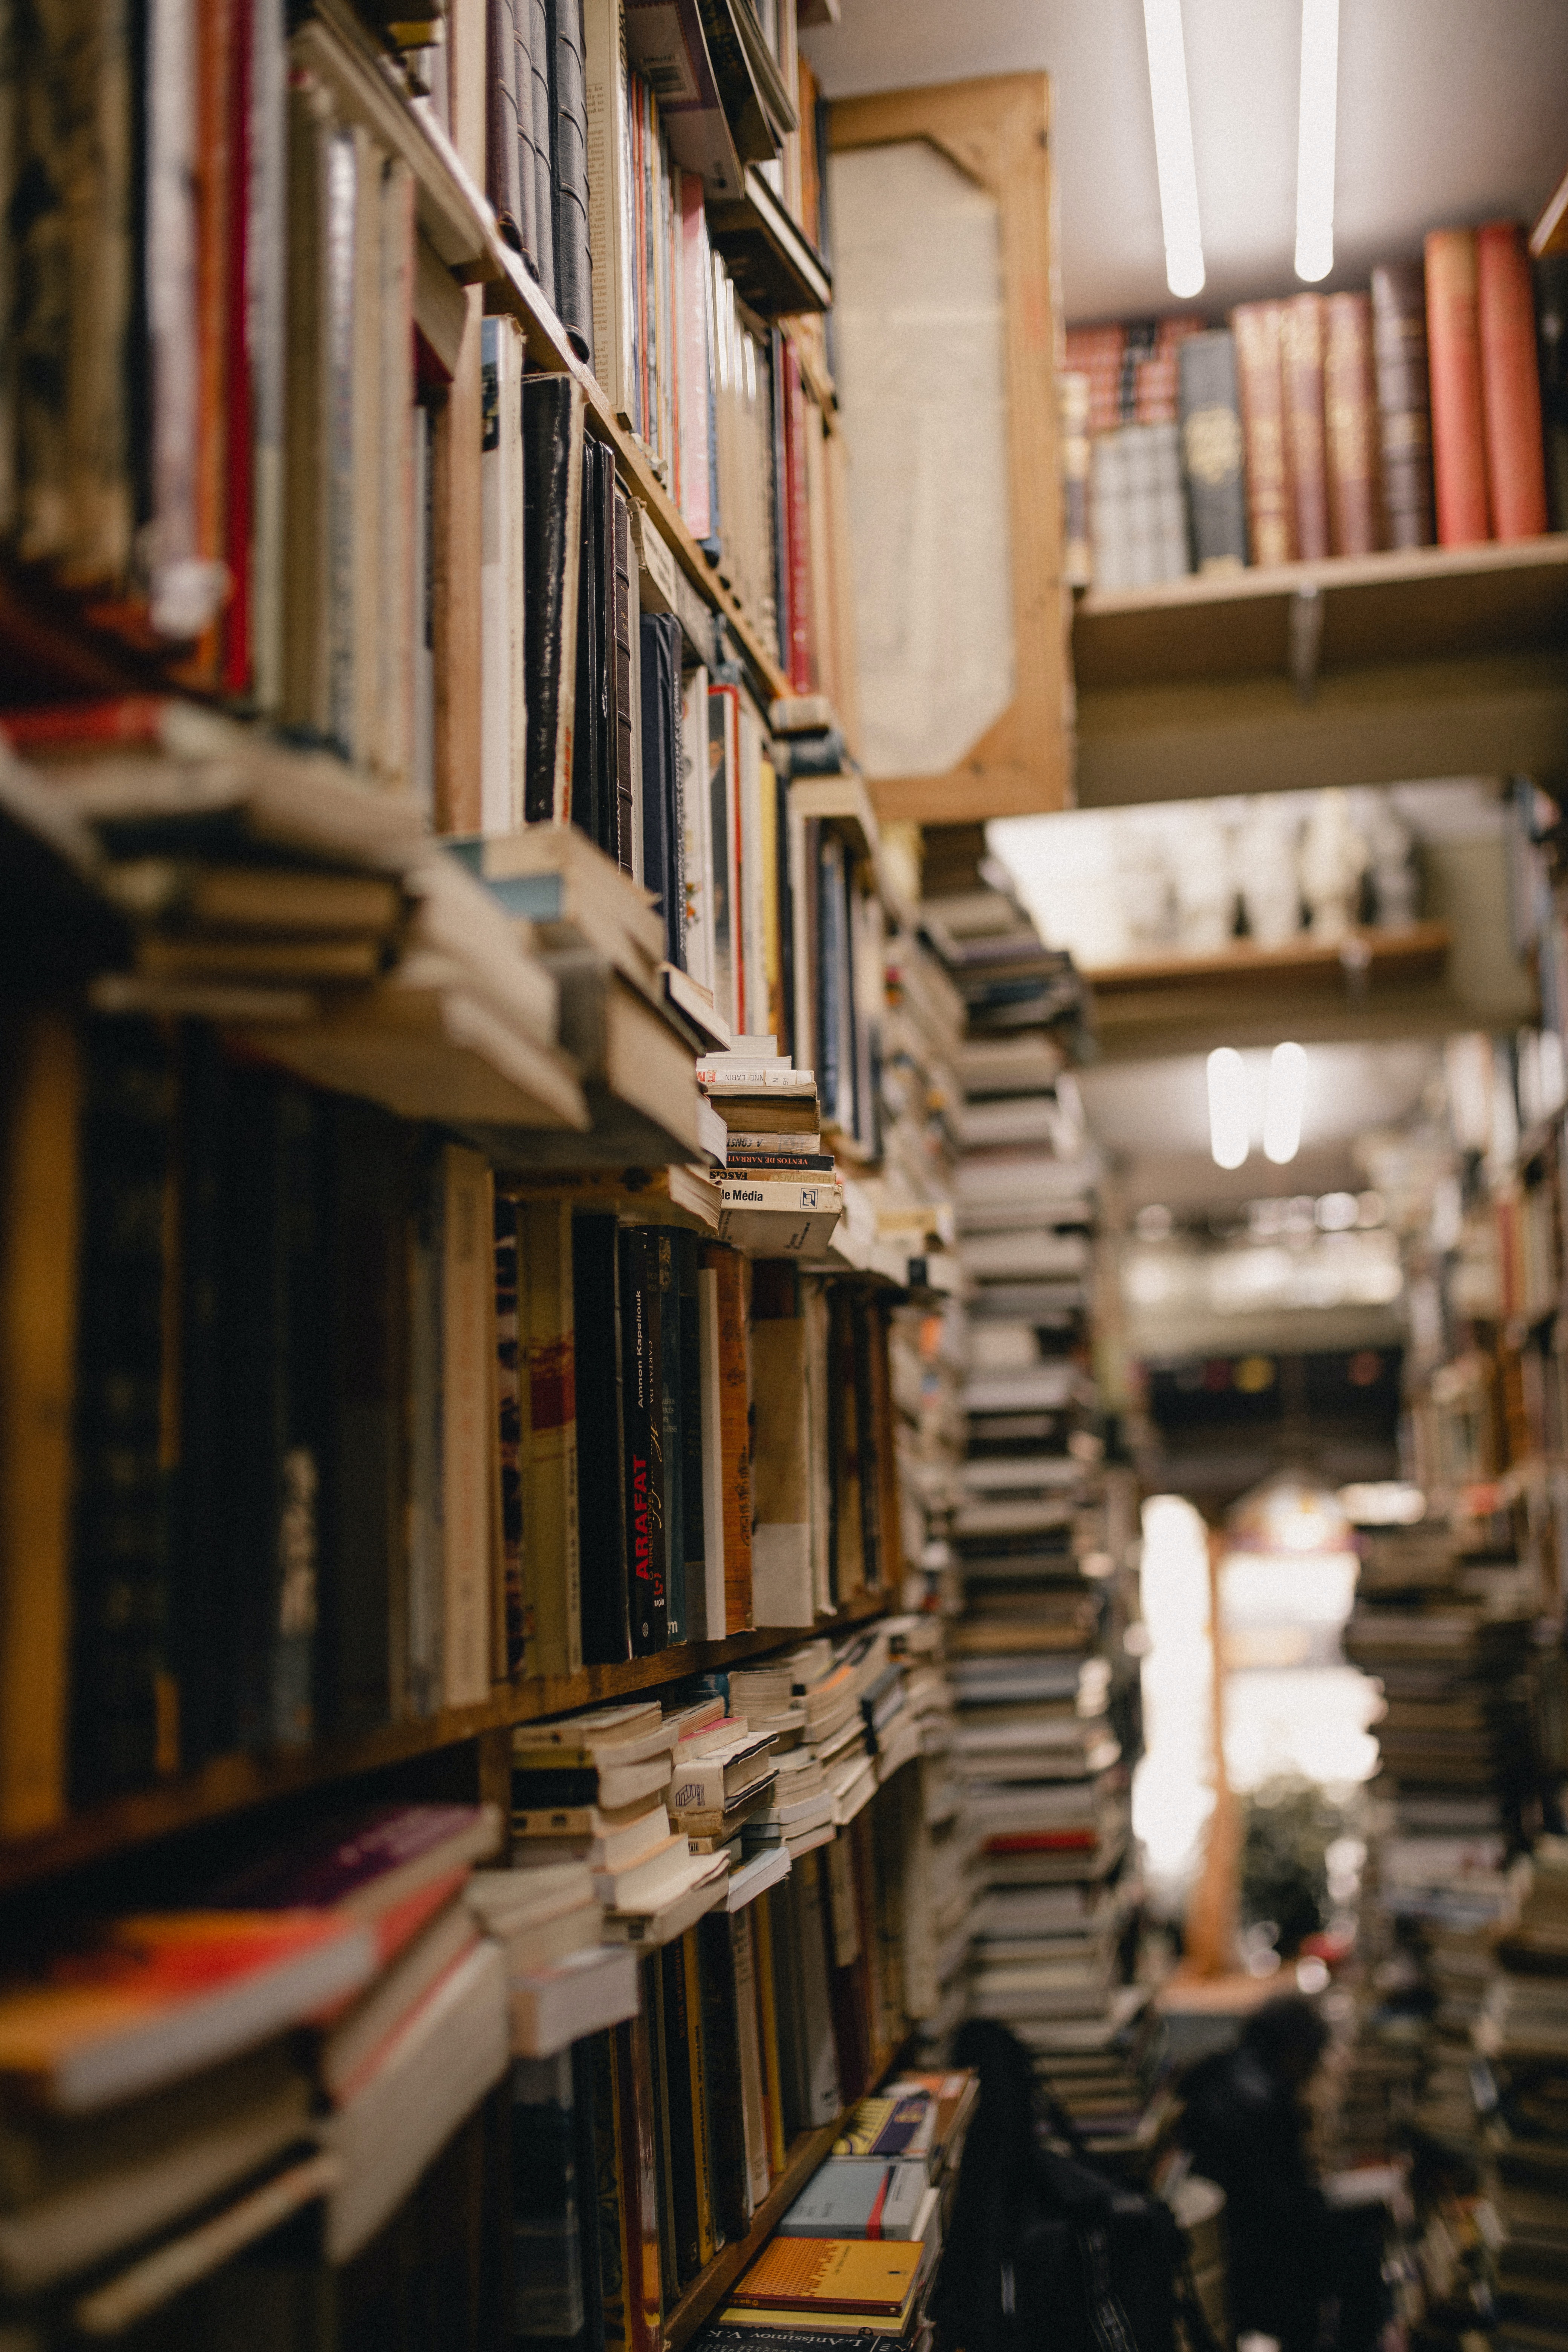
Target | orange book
(873,2275)
(164,1995)
(1260,382)
(1458,420)
(1511,383)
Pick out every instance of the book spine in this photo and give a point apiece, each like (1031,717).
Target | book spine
(502,145)
(735,1432)
(124,1713)
(626,570)
(1350,400)
(606,1589)
(753,2116)
(508,1438)
(40,1181)
(640,2174)
(709,2228)
(762,1916)
(1552,331)
(670,1413)
(1458,419)
(1404,408)
(665,2078)
(542,58)
(467,1228)
(574,263)
(522,110)
(1073,398)
(1212,451)
(643,1423)
(1516,468)
(693,1428)
(1260,382)
(547,1391)
(1301,345)
(722,2067)
(618,2253)
(421,1608)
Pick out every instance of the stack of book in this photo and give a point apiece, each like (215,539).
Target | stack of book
(1522,2036)
(1035,1747)
(179,2084)
(1447,1641)
(780,1193)
(596,1788)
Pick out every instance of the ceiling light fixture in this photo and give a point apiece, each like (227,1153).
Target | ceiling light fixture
(1315,139)
(1284,1101)
(1229,1126)
(1173,147)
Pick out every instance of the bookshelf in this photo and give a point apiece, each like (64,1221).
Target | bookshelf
(1359,669)
(238,1783)
(704,2295)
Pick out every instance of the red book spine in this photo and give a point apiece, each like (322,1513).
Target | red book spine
(798,525)
(1458,417)
(1516,457)
(1270,516)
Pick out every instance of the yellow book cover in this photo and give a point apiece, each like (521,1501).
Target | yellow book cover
(862,2275)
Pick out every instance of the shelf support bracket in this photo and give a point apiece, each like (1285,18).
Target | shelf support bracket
(1306,639)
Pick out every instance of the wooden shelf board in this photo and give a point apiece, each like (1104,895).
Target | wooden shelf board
(234,1784)
(807,2154)
(1416,604)
(1415,947)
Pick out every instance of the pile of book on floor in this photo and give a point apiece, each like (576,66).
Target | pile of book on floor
(1448,1638)
(1325,423)
(179,2083)
(859,2249)
(1522,2036)
(1035,1748)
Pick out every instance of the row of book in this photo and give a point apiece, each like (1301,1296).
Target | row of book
(1426,411)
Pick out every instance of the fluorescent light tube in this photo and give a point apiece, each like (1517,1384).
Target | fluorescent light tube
(1229,1127)
(1283,1103)
(1173,147)
(1315,139)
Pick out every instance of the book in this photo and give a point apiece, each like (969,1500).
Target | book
(1257,329)
(569,174)
(503,718)
(1459,416)
(859,2197)
(608,1588)
(372,1865)
(1552,343)
(1350,394)
(1511,385)
(842,2275)
(39,1182)
(1404,402)
(1303,338)
(467,1352)
(548,1440)
(159,1996)
(553,414)
(644,1256)
(1212,450)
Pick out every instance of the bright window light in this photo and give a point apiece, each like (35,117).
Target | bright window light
(1229,1126)
(1315,140)
(1283,1103)
(1173,147)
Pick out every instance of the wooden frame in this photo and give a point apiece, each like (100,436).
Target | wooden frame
(997,131)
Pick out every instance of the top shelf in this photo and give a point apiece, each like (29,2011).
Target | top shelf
(1417,604)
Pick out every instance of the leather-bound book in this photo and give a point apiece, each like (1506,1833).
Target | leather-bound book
(1306,459)
(1261,384)
(573,265)
(1511,388)
(1212,451)
(1454,355)
(502,149)
(1350,408)
(1404,402)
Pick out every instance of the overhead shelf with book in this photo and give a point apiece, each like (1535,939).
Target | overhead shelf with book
(1325,543)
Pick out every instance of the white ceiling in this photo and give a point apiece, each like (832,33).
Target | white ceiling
(1151,1120)
(1450,111)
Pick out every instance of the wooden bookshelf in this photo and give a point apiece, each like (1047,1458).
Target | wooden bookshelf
(236,1783)
(1416,951)
(1361,669)
(809,2152)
